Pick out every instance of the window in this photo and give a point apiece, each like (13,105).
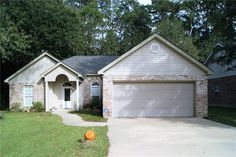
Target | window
(95,93)
(95,89)
(155,48)
(67,84)
(28,95)
(216,90)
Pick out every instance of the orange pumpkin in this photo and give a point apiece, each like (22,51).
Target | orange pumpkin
(90,135)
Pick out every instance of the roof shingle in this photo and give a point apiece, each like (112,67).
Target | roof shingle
(88,64)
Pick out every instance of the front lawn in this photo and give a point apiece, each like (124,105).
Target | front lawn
(89,116)
(43,135)
(222,114)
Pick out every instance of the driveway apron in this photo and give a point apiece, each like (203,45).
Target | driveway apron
(170,137)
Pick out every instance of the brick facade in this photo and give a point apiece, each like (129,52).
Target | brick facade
(16,93)
(201,104)
(85,89)
(222,91)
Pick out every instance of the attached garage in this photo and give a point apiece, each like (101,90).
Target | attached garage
(146,99)
(155,79)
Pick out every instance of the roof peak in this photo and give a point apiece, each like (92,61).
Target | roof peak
(95,56)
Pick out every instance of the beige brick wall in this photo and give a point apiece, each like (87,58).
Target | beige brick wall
(200,107)
(16,93)
(39,92)
(85,89)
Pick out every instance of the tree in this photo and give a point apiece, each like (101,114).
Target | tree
(207,22)
(132,23)
(13,42)
(28,27)
(91,24)
(49,25)
(172,29)
(110,44)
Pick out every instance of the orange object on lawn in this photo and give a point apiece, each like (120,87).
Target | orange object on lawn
(90,135)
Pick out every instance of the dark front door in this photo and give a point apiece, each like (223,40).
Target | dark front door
(67,101)
(67,94)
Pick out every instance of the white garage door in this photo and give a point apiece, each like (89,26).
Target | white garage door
(153,99)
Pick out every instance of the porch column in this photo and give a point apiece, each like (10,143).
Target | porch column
(46,96)
(77,94)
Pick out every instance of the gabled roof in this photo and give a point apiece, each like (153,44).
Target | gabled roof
(88,64)
(212,53)
(29,64)
(60,64)
(164,41)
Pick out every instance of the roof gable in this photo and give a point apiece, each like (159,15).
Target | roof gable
(60,64)
(167,44)
(213,53)
(30,64)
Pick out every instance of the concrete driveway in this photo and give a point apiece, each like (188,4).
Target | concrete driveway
(170,137)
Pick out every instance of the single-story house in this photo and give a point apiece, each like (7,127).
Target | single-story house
(153,79)
(222,83)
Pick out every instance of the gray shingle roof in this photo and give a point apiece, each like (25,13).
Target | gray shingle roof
(88,64)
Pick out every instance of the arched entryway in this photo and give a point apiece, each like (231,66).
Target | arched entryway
(62,89)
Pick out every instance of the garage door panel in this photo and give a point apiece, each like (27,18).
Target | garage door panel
(152,99)
(163,112)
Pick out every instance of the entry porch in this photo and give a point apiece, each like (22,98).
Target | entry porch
(62,88)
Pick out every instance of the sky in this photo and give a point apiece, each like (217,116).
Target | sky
(144,2)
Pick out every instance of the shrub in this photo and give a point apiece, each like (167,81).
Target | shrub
(37,107)
(95,100)
(15,107)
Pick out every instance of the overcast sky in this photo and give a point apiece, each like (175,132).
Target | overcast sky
(145,2)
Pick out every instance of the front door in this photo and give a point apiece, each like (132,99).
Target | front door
(67,100)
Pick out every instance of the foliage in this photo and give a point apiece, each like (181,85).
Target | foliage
(132,23)
(208,22)
(21,132)
(172,29)
(15,107)
(12,40)
(47,24)
(37,107)
(95,100)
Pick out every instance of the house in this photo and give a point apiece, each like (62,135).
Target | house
(221,84)
(153,79)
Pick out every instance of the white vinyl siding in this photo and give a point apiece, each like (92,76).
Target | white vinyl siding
(60,70)
(33,73)
(134,99)
(28,95)
(163,62)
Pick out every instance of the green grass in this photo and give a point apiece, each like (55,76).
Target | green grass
(43,135)
(223,115)
(90,116)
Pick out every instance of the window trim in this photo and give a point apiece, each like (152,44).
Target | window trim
(67,84)
(24,96)
(99,89)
